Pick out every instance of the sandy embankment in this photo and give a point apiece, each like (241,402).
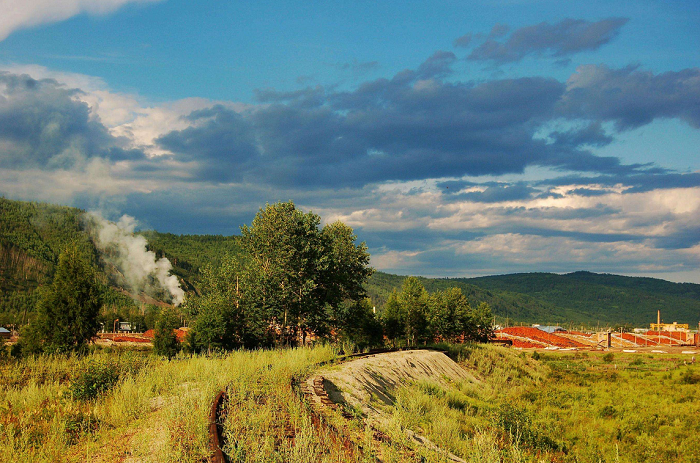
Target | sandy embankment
(370,383)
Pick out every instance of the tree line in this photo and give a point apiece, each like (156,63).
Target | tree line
(293,280)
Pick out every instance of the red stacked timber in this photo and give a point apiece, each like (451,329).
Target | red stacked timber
(527,345)
(537,335)
(520,343)
(129,339)
(671,338)
(579,333)
(179,334)
(638,340)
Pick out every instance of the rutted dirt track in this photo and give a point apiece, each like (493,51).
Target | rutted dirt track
(360,381)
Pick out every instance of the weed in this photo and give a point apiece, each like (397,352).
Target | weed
(97,378)
(689,377)
(608,411)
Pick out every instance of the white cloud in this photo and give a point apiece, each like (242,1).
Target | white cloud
(96,178)
(21,14)
(125,114)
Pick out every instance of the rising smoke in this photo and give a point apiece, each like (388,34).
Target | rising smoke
(128,253)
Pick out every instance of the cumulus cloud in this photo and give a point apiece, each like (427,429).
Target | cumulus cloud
(632,97)
(558,40)
(417,125)
(21,14)
(44,125)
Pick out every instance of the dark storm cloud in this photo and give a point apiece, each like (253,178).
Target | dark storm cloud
(43,125)
(637,183)
(557,40)
(463,41)
(498,30)
(385,130)
(438,65)
(591,135)
(221,143)
(631,97)
(417,125)
(682,239)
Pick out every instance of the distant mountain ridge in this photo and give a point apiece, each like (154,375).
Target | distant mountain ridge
(578,297)
(33,234)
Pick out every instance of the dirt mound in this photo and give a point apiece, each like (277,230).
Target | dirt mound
(378,376)
(371,382)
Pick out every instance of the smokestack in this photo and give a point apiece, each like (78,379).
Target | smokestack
(658,318)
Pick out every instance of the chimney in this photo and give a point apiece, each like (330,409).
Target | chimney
(658,319)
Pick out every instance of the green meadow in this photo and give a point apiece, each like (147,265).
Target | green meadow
(131,406)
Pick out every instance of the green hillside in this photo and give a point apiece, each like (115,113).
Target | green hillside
(33,234)
(602,297)
(506,305)
(190,253)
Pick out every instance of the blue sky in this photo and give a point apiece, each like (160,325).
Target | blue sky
(457,138)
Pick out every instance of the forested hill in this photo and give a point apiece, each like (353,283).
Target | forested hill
(33,234)
(604,297)
(579,297)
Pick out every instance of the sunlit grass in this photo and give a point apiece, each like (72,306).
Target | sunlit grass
(564,407)
(573,407)
(157,410)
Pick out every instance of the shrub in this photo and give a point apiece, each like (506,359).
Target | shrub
(609,357)
(608,412)
(164,340)
(97,378)
(518,424)
(690,378)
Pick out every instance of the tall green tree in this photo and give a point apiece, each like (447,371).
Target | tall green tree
(394,317)
(414,301)
(299,274)
(227,315)
(480,326)
(164,340)
(343,266)
(359,324)
(450,314)
(284,245)
(67,310)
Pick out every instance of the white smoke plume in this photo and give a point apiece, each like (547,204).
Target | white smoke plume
(128,252)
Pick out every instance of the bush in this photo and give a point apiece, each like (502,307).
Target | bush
(164,340)
(518,424)
(690,378)
(608,358)
(608,412)
(97,378)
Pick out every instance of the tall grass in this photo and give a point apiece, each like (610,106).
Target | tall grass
(563,407)
(157,410)
(132,406)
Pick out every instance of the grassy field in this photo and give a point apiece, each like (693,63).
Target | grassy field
(581,407)
(131,406)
